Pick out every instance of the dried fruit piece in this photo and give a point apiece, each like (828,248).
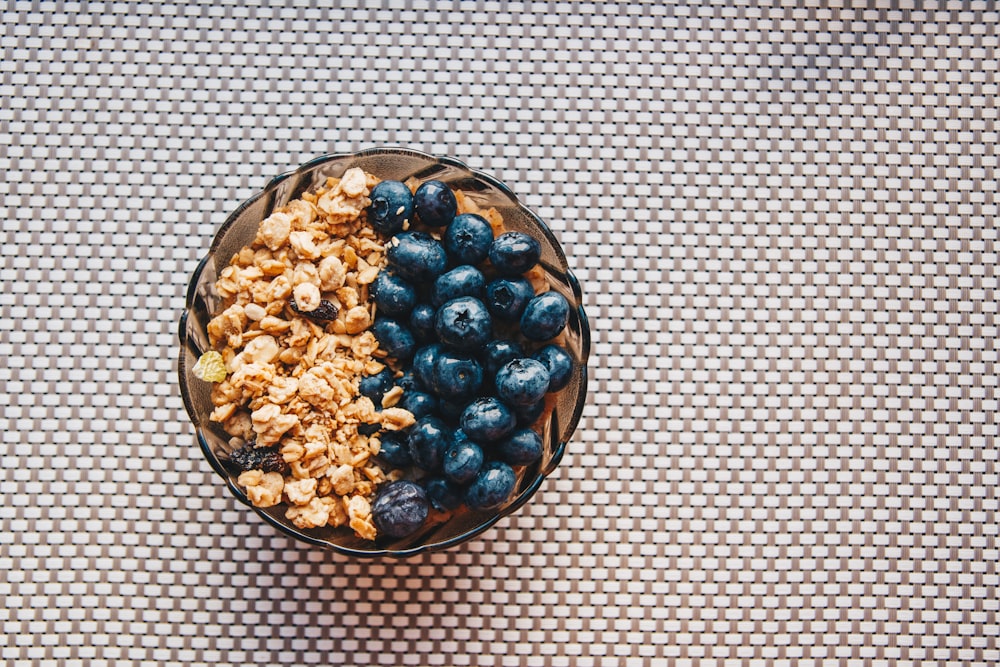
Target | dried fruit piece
(324,312)
(251,457)
(211,367)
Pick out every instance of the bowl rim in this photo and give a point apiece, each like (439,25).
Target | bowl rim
(564,274)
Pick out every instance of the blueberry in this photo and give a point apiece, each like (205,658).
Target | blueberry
(559,362)
(422,323)
(417,257)
(394,296)
(435,204)
(408,382)
(464,324)
(423,364)
(418,403)
(392,204)
(451,411)
(468,238)
(513,253)
(457,376)
(506,298)
(394,450)
(491,487)
(498,352)
(429,439)
(522,382)
(487,420)
(394,338)
(442,494)
(461,281)
(400,508)
(527,415)
(462,461)
(375,386)
(522,447)
(545,316)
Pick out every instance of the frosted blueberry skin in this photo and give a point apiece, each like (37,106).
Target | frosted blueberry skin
(520,448)
(435,204)
(462,461)
(468,239)
(392,205)
(417,257)
(422,323)
(442,494)
(464,324)
(423,365)
(375,386)
(487,419)
(506,298)
(513,253)
(545,316)
(522,382)
(457,376)
(498,352)
(394,338)
(408,381)
(400,509)
(491,487)
(559,363)
(395,450)
(393,295)
(464,280)
(418,403)
(428,440)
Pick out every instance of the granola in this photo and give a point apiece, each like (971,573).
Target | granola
(292,341)
(294,337)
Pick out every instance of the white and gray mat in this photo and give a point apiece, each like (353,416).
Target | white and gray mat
(785,223)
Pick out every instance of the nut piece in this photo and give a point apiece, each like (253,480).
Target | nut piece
(396,419)
(263,488)
(269,424)
(392,397)
(342,478)
(301,491)
(303,245)
(332,273)
(307,297)
(228,325)
(315,390)
(357,320)
(274,230)
(354,183)
(315,514)
(261,350)
(254,312)
(359,511)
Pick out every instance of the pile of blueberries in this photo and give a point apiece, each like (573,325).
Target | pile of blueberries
(473,342)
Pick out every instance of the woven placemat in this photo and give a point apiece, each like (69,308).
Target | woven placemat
(784,221)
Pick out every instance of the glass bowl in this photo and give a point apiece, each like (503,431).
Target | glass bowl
(396,164)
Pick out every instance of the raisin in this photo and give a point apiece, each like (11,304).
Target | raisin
(251,457)
(369,429)
(324,312)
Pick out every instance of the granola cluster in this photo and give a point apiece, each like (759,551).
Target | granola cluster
(294,336)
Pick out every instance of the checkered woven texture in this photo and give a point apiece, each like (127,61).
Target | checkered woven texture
(784,219)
